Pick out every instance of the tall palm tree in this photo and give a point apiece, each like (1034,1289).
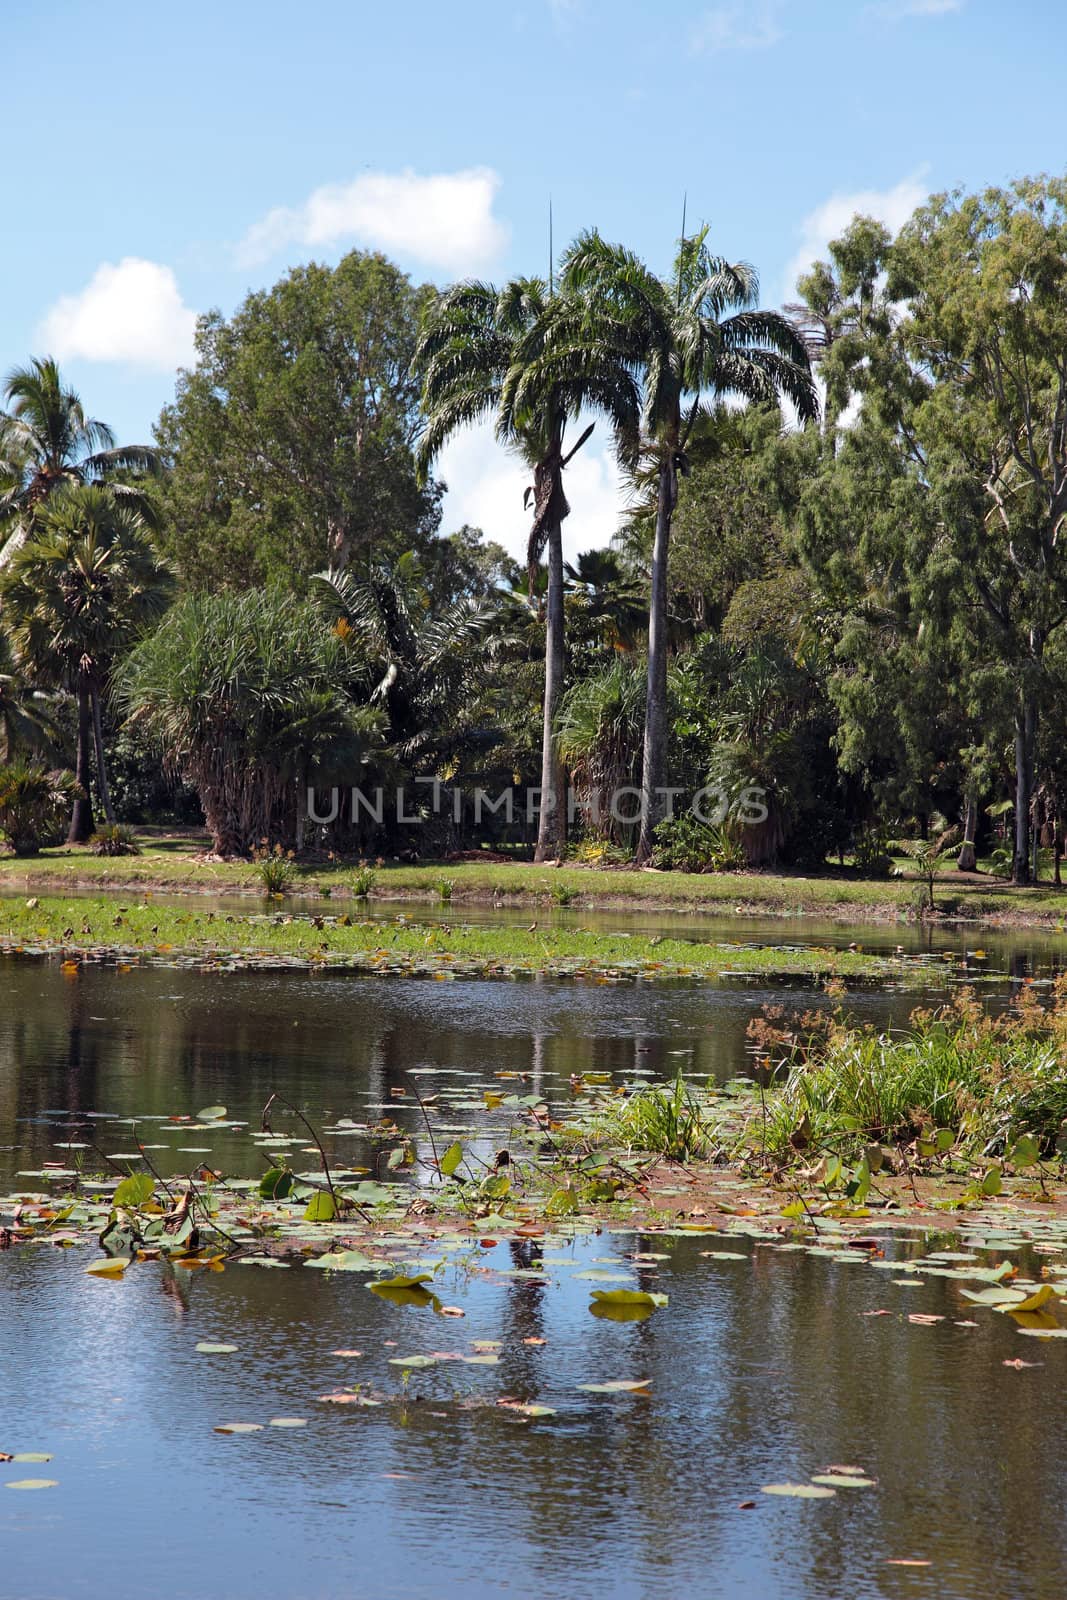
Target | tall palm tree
(27,721)
(675,337)
(73,596)
(47,442)
(512,354)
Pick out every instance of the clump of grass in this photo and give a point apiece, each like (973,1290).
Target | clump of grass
(114,839)
(987,1080)
(560,895)
(663,1120)
(444,887)
(362,881)
(275,867)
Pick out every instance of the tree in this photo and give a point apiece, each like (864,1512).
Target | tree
(674,335)
(27,713)
(47,443)
(249,697)
(962,372)
(73,597)
(511,354)
(291,441)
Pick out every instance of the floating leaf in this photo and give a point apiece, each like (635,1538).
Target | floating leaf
(617,1386)
(842,1480)
(1032,1302)
(629,1297)
(109,1266)
(288,1422)
(211,1114)
(32,1483)
(239,1427)
(321,1208)
(207,1348)
(800,1491)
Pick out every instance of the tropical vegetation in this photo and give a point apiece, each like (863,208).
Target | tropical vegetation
(830,629)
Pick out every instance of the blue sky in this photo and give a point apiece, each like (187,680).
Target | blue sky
(164,160)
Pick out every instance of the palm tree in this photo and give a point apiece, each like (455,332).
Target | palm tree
(27,721)
(47,442)
(512,354)
(73,595)
(675,337)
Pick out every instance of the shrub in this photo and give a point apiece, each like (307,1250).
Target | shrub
(685,844)
(275,867)
(34,804)
(114,839)
(362,881)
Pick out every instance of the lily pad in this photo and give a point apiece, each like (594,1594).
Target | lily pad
(800,1491)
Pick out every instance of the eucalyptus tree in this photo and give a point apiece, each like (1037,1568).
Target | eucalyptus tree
(689,341)
(47,442)
(955,472)
(73,596)
(518,355)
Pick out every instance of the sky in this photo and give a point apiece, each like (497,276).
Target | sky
(163,161)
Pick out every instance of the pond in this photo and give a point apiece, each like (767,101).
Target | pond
(768,1365)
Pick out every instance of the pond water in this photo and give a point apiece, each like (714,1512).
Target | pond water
(764,1367)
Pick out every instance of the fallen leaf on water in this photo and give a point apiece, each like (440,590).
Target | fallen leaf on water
(32,1483)
(618,1386)
(346,1352)
(452,1311)
(239,1427)
(799,1491)
(876,1313)
(923,1318)
(843,1480)
(1019,1365)
(206,1348)
(907,1561)
(288,1422)
(747,1505)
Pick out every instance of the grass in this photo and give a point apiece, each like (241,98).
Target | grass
(101,928)
(177,863)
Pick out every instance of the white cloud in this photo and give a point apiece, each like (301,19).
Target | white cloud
(133,313)
(896,10)
(445,219)
(829,220)
(486,484)
(753,26)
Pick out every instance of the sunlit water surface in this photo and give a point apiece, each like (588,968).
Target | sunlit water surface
(762,1369)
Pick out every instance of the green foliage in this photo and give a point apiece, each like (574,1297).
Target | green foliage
(444,887)
(663,1120)
(274,867)
(251,697)
(362,881)
(291,440)
(685,844)
(33,801)
(114,839)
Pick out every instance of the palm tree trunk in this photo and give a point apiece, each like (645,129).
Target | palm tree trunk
(82,825)
(653,765)
(101,764)
(552,821)
(967,861)
(1025,745)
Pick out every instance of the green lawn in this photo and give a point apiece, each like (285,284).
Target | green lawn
(176,863)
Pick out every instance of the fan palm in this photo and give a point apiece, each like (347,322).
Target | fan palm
(73,596)
(47,442)
(26,715)
(676,338)
(512,353)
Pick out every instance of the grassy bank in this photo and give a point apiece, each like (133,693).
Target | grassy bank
(178,864)
(138,928)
